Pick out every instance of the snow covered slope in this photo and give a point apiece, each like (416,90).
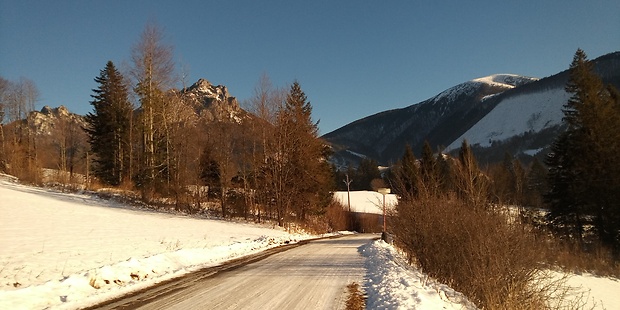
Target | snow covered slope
(515,115)
(505,81)
(75,250)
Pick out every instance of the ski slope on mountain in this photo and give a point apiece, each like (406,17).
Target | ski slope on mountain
(516,115)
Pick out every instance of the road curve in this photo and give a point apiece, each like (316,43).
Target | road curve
(312,276)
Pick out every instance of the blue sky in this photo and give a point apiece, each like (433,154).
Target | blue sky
(352,58)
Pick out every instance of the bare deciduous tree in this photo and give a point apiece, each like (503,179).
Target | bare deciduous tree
(19,145)
(153,71)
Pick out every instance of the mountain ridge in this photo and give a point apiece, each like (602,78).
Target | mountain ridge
(447,118)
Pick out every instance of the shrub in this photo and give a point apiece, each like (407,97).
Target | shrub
(476,251)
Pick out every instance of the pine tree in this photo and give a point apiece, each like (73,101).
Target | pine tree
(367,171)
(584,181)
(108,126)
(407,175)
(302,178)
(535,184)
(429,172)
(565,213)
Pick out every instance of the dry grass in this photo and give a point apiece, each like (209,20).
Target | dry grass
(355,299)
(569,256)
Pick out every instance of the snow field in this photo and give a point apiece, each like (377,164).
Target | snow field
(69,249)
(366,201)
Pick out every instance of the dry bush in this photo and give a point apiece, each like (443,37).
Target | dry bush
(366,222)
(356,300)
(312,224)
(337,217)
(474,250)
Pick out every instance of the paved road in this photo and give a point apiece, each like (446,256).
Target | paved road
(312,276)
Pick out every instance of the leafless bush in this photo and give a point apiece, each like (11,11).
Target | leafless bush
(337,217)
(476,251)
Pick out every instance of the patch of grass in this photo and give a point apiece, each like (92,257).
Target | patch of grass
(356,300)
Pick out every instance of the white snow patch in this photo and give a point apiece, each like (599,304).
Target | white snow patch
(593,292)
(506,81)
(366,201)
(391,283)
(356,154)
(532,152)
(516,115)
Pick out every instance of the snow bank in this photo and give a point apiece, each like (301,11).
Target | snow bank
(596,292)
(391,283)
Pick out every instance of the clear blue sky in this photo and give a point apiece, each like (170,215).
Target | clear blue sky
(352,58)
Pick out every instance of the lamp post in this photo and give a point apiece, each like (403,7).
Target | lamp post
(383,191)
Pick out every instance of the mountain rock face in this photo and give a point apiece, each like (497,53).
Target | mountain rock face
(209,102)
(49,121)
(495,114)
(213,103)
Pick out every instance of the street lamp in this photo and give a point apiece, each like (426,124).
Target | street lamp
(383,191)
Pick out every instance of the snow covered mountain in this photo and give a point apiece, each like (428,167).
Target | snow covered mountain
(497,113)
(442,118)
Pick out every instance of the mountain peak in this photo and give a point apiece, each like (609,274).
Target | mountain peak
(507,80)
(213,102)
(501,82)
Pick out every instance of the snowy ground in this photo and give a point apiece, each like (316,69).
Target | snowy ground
(366,201)
(392,284)
(69,251)
(74,250)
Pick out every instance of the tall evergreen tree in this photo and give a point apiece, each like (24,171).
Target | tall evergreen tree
(367,171)
(535,184)
(584,180)
(303,176)
(407,175)
(429,171)
(108,126)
